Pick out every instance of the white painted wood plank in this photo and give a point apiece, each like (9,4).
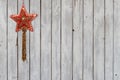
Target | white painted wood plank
(56,39)
(98,39)
(88,40)
(3,38)
(109,40)
(46,40)
(12,41)
(23,67)
(35,42)
(116,39)
(77,39)
(66,45)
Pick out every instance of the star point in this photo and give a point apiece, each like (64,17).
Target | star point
(23,19)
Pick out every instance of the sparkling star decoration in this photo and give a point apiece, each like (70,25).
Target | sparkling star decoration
(23,20)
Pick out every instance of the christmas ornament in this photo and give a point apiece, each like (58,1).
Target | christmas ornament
(23,20)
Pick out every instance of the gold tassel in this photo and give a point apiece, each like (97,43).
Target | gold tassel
(24,44)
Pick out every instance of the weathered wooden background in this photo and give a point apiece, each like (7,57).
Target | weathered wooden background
(72,40)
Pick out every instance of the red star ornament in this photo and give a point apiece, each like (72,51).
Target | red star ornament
(23,20)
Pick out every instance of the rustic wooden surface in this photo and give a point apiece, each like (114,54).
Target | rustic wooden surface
(72,40)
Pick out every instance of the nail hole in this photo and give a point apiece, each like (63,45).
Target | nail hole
(73,30)
(115,74)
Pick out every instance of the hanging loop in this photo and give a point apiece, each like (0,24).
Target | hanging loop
(22,1)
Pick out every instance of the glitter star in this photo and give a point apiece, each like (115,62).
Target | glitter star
(23,20)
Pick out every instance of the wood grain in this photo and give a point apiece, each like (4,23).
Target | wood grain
(116,39)
(77,39)
(88,40)
(3,41)
(35,42)
(109,48)
(66,41)
(46,55)
(56,40)
(12,42)
(99,40)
